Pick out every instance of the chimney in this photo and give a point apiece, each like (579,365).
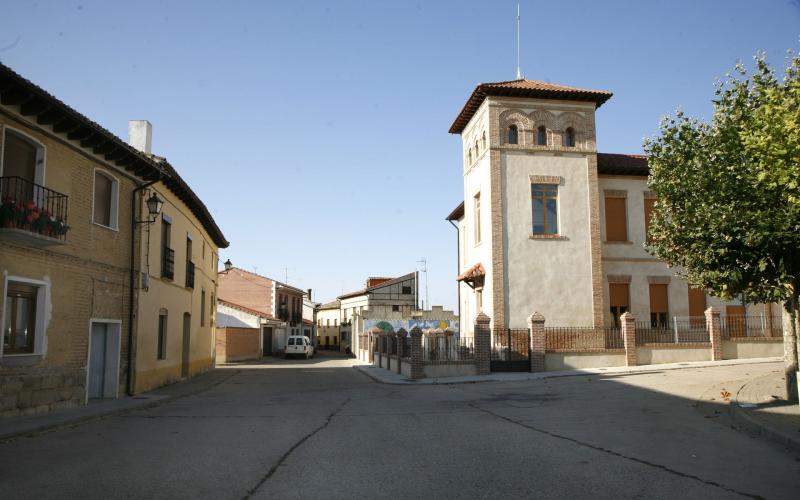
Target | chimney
(309,294)
(228,265)
(140,135)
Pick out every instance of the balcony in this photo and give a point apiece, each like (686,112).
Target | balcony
(190,275)
(32,214)
(167,263)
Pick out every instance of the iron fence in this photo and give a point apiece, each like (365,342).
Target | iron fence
(582,338)
(691,330)
(29,206)
(751,326)
(447,348)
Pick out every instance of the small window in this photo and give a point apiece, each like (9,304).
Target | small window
(569,138)
(406,291)
(544,200)
(162,335)
(19,331)
(469,156)
(167,253)
(513,134)
(106,194)
(202,308)
(659,305)
(541,136)
(477,216)
(619,300)
(483,141)
(477,149)
(395,308)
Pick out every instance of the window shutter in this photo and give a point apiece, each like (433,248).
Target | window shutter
(616,220)
(649,204)
(697,301)
(618,294)
(102,199)
(658,298)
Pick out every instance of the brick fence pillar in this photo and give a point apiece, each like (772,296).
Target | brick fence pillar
(399,339)
(714,335)
(629,338)
(536,328)
(483,343)
(416,353)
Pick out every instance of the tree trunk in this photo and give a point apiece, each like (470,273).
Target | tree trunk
(790,352)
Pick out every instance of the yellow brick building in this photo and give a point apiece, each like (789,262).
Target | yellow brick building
(72,300)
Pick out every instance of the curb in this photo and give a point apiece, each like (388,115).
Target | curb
(393,379)
(77,420)
(753,424)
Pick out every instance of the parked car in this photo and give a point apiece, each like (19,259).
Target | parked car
(298,345)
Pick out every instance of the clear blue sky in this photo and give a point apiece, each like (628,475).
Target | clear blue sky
(316,132)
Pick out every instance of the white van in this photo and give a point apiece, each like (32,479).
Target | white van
(298,345)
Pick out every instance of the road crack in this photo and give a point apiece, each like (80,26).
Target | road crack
(617,454)
(288,453)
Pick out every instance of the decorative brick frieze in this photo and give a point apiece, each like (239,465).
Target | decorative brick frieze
(649,195)
(546,179)
(659,280)
(596,243)
(558,237)
(498,225)
(618,278)
(615,193)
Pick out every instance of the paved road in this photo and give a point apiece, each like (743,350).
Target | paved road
(320,429)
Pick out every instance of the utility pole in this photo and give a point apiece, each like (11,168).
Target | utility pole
(424,270)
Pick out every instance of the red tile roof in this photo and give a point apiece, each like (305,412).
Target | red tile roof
(472,273)
(619,164)
(524,88)
(243,308)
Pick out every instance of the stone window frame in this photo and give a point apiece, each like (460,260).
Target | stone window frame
(114,206)
(43,306)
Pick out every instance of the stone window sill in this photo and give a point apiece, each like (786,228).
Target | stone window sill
(618,242)
(19,360)
(548,237)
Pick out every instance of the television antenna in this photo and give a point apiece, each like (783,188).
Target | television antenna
(424,270)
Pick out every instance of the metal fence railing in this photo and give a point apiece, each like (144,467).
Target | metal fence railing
(751,326)
(447,348)
(34,208)
(678,331)
(582,338)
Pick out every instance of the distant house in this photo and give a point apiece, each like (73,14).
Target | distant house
(239,332)
(328,333)
(280,305)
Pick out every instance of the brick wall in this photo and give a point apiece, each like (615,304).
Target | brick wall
(237,344)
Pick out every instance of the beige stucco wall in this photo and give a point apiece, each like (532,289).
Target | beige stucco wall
(173,296)
(550,276)
(554,361)
(744,350)
(448,370)
(661,355)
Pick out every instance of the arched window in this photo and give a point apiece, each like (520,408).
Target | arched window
(477,149)
(569,138)
(513,134)
(541,136)
(469,156)
(483,141)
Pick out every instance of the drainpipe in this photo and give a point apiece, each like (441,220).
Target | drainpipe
(458,268)
(131,290)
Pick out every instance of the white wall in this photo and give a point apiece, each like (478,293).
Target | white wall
(229,316)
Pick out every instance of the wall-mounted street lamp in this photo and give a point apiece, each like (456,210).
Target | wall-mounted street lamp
(154,204)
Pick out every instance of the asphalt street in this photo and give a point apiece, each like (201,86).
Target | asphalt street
(320,429)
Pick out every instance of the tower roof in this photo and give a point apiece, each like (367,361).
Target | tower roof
(524,88)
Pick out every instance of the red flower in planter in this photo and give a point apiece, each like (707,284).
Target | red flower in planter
(30,205)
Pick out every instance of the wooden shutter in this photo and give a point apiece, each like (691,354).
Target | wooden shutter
(19,158)
(649,204)
(618,295)
(697,301)
(102,199)
(658,298)
(616,220)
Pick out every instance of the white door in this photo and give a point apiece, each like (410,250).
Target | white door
(104,360)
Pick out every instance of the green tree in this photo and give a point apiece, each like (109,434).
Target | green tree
(728,209)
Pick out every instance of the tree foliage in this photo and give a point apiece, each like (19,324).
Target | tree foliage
(728,190)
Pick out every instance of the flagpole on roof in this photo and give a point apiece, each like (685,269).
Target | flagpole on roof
(519,73)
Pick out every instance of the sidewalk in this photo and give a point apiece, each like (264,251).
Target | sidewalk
(384,376)
(33,424)
(757,407)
